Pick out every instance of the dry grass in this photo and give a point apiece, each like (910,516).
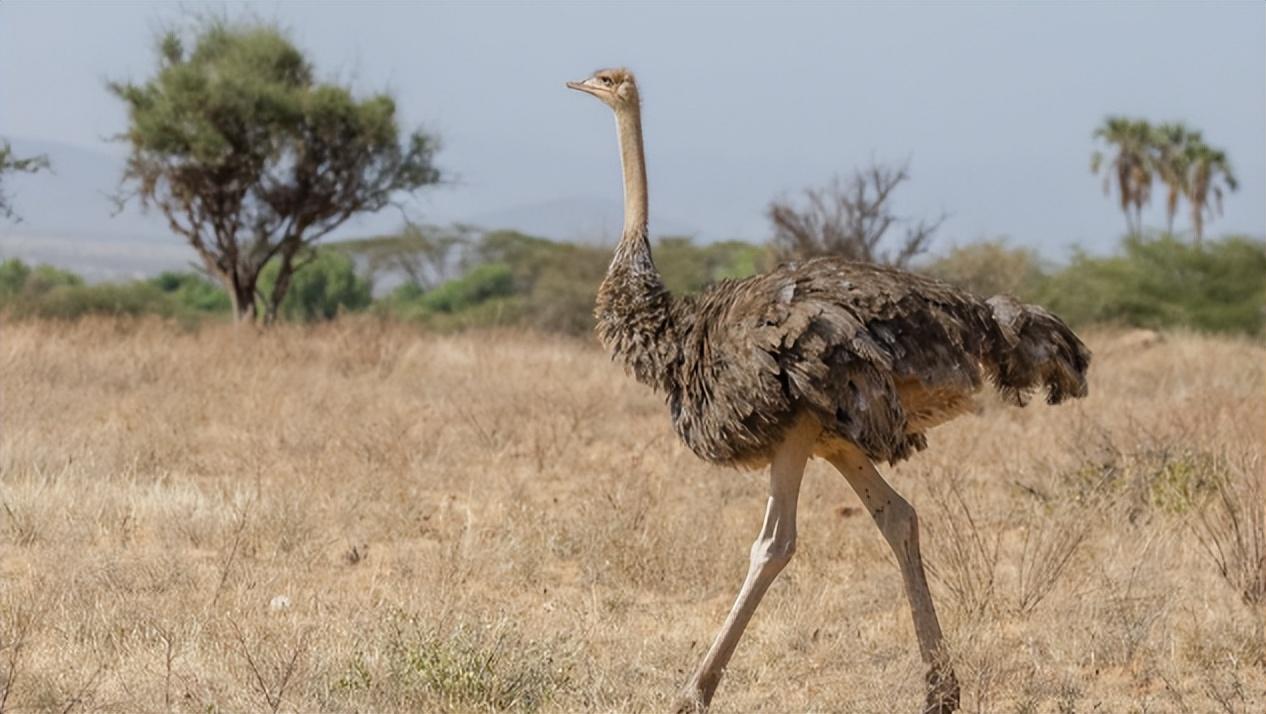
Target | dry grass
(363,518)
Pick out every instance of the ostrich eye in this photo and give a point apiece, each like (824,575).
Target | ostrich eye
(606,81)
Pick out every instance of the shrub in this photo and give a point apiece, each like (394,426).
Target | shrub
(991,268)
(559,302)
(412,664)
(74,301)
(45,291)
(13,275)
(321,289)
(554,284)
(479,285)
(17,279)
(192,292)
(688,268)
(1164,282)
(517,279)
(483,297)
(1231,530)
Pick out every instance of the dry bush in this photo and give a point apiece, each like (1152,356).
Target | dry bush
(1048,545)
(1011,560)
(272,665)
(965,560)
(1230,529)
(363,517)
(851,218)
(487,667)
(15,629)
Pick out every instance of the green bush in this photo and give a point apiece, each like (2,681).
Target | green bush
(45,291)
(454,666)
(516,279)
(19,280)
(991,268)
(13,276)
(561,302)
(74,301)
(477,286)
(554,284)
(689,268)
(481,298)
(1165,282)
(321,289)
(192,292)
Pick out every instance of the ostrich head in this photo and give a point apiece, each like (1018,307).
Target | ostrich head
(615,87)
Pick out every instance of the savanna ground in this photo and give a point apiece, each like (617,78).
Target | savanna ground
(362,517)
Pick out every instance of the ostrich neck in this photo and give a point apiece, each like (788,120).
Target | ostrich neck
(633,162)
(634,311)
(633,253)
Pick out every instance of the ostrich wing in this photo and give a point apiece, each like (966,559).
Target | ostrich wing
(875,354)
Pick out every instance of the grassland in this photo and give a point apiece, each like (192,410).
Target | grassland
(358,517)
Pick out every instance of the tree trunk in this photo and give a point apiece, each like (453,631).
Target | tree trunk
(242,294)
(1171,210)
(285,272)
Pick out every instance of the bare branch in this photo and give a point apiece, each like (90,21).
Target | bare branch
(850,218)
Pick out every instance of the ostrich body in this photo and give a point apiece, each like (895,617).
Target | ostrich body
(846,361)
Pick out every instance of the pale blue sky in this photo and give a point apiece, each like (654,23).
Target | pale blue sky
(994,103)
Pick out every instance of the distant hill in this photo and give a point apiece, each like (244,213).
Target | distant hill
(588,220)
(69,218)
(74,198)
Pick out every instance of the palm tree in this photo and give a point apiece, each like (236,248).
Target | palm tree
(1131,166)
(1209,169)
(1172,144)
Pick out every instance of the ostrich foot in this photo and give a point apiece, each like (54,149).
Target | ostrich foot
(689,701)
(943,693)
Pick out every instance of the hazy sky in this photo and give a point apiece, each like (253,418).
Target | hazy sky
(993,103)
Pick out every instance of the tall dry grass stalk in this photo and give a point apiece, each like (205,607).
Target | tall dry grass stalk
(1230,528)
(359,517)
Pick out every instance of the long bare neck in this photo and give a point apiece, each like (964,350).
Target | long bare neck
(634,311)
(633,162)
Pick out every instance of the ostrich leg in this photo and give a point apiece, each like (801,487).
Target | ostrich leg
(897,521)
(770,553)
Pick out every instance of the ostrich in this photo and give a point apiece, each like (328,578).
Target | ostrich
(846,361)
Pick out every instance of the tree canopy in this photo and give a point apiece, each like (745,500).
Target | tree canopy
(252,160)
(1172,152)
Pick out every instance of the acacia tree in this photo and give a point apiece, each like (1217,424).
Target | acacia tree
(426,256)
(850,218)
(252,160)
(12,164)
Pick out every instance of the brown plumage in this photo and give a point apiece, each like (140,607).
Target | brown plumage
(876,355)
(848,361)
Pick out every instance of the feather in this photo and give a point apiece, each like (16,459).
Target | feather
(875,354)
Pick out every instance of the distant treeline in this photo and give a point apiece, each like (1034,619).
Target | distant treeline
(448,279)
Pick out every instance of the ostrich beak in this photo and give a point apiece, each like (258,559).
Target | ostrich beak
(589,86)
